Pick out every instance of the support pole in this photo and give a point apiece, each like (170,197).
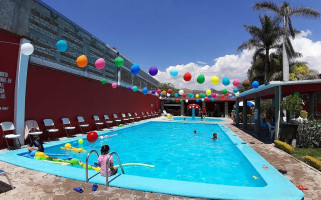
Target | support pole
(244,113)
(277,108)
(237,112)
(257,112)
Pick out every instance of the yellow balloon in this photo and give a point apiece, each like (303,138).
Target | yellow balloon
(215,80)
(197,95)
(41,154)
(168,116)
(208,92)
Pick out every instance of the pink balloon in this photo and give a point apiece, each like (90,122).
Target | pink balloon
(100,63)
(236,82)
(159,91)
(114,85)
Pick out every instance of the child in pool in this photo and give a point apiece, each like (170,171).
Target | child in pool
(194,131)
(37,145)
(214,137)
(102,161)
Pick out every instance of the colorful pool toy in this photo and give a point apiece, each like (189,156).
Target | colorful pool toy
(70,148)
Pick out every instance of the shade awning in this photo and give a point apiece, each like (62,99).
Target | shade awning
(193,106)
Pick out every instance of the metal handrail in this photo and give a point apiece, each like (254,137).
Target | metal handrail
(87,158)
(107,165)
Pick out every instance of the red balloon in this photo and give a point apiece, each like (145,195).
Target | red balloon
(205,98)
(187,76)
(184,95)
(222,96)
(177,100)
(169,91)
(92,136)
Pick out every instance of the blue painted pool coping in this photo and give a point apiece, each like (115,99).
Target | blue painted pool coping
(278,187)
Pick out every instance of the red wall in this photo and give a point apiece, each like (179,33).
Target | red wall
(8,67)
(8,64)
(54,94)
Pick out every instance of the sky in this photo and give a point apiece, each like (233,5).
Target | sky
(199,36)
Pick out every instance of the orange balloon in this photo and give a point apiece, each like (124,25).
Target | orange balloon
(82,61)
(164,92)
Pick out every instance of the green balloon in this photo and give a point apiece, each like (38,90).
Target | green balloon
(202,95)
(173,100)
(103,81)
(297,94)
(134,88)
(119,61)
(200,79)
(120,125)
(224,91)
(181,100)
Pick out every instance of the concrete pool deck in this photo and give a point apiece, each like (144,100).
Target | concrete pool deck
(31,184)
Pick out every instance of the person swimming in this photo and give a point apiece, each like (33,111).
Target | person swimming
(194,131)
(214,137)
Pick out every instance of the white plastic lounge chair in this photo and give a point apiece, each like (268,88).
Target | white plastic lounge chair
(98,122)
(3,173)
(131,118)
(8,126)
(148,115)
(126,120)
(81,123)
(116,119)
(143,115)
(164,112)
(136,116)
(108,121)
(67,125)
(32,129)
(49,127)
(271,130)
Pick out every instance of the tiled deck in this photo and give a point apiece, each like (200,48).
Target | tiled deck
(31,184)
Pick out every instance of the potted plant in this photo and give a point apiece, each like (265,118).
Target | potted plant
(293,105)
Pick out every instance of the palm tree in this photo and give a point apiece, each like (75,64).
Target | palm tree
(285,11)
(263,40)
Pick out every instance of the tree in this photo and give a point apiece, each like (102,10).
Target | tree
(263,40)
(286,12)
(165,86)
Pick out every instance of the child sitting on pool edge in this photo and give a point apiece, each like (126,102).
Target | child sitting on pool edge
(102,161)
(214,137)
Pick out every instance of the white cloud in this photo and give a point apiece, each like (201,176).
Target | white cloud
(235,66)
(311,51)
(201,62)
(231,66)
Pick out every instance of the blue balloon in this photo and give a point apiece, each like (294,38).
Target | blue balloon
(202,99)
(135,69)
(167,99)
(235,90)
(226,81)
(213,99)
(173,72)
(209,96)
(176,95)
(197,100)
(62,45)
(145,90)
(255,84)
(191,95)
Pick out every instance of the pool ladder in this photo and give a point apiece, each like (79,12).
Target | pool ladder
(107,166)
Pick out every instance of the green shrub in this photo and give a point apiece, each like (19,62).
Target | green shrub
(284,146)
(309,134)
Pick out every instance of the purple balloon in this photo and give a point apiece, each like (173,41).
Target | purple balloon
(230,95)
(153,91)
(153,71)
(129,88)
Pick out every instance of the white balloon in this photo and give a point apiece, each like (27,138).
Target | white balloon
(186,100)
(27,49)
(168,94)
(181,92)
(237,94)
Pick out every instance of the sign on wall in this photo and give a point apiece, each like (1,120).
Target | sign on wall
(5,80)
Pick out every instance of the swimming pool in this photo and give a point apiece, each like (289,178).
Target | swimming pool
(205,119)
(185,163)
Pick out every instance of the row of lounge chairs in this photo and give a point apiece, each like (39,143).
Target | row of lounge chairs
(32,128)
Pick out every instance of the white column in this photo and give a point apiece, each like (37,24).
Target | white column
(20,92)
(226,109)
(119,76)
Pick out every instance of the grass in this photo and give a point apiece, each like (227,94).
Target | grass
(300,152)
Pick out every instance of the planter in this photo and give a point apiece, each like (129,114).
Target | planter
(288,132)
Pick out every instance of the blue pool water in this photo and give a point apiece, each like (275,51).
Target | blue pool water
(206,119)
(177,153)
(185,164)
